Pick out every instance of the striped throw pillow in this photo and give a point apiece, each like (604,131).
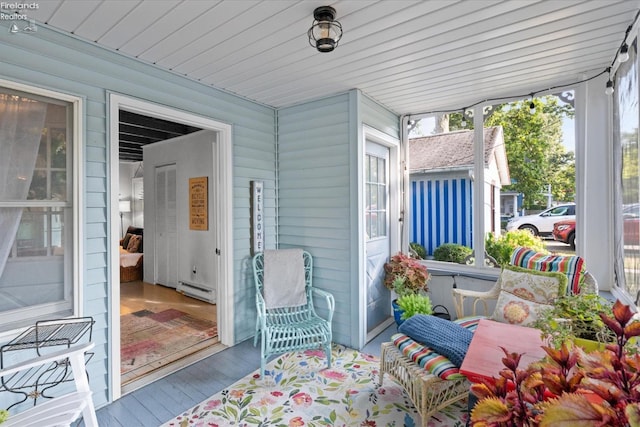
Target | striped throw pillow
(572,266)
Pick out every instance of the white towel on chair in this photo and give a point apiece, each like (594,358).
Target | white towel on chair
(283,278)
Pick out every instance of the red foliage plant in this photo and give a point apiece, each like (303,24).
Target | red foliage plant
(415,274)
(569,387)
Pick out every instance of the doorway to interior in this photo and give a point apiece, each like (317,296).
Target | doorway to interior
(147,302)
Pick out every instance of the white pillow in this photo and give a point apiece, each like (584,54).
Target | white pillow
(515,310)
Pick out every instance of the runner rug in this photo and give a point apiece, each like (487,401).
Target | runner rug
(150,340)
(299,391)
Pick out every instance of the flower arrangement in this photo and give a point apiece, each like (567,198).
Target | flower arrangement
(569,387)
(405,275)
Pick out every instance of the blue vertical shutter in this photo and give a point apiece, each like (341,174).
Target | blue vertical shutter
(440,212)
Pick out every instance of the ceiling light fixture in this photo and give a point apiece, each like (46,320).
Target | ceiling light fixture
(326,32)
(463,122)
(623,55)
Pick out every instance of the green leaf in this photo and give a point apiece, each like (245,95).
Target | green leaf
(575,410)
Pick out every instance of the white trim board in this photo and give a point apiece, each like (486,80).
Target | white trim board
(223,217)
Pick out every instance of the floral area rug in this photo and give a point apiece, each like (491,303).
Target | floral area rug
(150,340)
(298,390)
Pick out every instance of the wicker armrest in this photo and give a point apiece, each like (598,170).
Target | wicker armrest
(459,296)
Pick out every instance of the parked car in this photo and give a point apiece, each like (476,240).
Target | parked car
(565,232)
(542,224)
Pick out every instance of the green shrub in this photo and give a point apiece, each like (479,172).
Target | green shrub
(414,304)
(419,250)
(501,248)
(452,252)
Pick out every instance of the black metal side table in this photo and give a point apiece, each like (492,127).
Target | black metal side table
(45,334)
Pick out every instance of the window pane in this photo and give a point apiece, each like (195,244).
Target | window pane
(531,168)
(36,256)
(58,185)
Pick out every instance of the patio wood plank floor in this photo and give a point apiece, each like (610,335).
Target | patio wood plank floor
(163,399)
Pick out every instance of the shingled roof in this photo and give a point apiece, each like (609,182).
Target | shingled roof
(454,150)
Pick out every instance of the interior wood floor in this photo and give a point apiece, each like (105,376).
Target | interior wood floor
(136,296)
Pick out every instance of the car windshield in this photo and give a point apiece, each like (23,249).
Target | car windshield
(559,210)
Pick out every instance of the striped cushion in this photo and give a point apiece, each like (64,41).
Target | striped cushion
(572,266)
(426,358)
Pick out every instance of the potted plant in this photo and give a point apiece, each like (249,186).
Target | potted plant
(412,304)
(405,275)
(569,387)
(413,275)
(576,318)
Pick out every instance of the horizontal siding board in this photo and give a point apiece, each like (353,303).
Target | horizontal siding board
(292,175)
(297,221)
(95,246)
(379,117)
(307,110)
(95,184)
(95,215)
(96,139)
(95,154)
(319,120)
(96,260)
(327,136)
(97,169)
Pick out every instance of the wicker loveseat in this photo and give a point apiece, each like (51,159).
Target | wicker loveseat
(131,255)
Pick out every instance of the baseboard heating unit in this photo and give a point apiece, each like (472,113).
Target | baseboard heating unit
(196,290)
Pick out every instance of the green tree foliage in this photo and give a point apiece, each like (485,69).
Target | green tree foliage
(533,143)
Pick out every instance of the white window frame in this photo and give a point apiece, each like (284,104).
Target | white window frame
(77,130)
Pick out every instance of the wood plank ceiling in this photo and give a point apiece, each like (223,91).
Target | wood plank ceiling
(137,130)
(412,56)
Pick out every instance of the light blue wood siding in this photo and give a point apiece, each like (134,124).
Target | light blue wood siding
(314,167)
(379,117)
(318,193)
(54,61)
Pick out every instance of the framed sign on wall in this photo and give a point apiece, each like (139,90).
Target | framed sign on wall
(257,217)
(198,203)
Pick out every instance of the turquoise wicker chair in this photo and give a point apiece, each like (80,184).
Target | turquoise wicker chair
(291,328)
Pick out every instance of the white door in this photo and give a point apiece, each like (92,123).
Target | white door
(166,247)
(377,240)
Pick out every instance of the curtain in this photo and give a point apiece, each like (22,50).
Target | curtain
(627,173)
(21,124)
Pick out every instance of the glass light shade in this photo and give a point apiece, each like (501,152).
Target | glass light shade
(609,88)
(124,205)
(325,33)
(623,55)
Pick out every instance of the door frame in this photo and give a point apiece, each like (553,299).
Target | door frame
(395,215)
(222,219)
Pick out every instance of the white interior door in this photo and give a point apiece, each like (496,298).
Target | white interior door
(377,233)
(166,244)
